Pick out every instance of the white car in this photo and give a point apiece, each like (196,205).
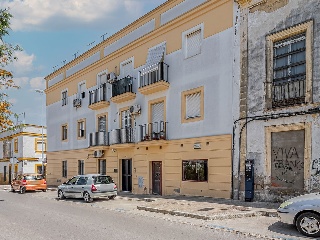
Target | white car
(303,212)
(88,187)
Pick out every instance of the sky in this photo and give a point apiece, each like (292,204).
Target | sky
(50,33)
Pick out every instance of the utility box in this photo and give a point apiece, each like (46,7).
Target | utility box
(249,180)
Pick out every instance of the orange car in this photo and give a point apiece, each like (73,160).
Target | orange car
(29,182)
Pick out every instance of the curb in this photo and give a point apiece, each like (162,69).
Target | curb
(205,217)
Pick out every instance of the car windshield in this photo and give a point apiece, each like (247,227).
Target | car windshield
(102,179)
(33,177)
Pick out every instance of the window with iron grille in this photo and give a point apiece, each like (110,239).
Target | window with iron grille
(193,105)
(102,123)
(157,115)
(64,97)
(64,132)
(193,43)
(80,167)
(102,166)
(81,129)
(289,71)
(64,169)
(126,119)
(195,170)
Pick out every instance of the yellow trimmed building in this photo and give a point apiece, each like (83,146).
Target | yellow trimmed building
(153,105)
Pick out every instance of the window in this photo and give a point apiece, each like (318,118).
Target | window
(64,169)
(102,123)
(157,116)
(195,170)
(80,167)
(64,97)
(192,105)
(125,118)
(102,78)
(193,43)
(16,145)
(81,128)
(82,89)
(126,69)
(38,145)
(289,66)
(102,166)
(64,132)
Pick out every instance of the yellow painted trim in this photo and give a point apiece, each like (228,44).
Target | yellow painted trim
(62,127)
(97,120)
(28,159)
(36,166)
(16,145)
(307,149)
(306,27)
(184,107)
(154,88)
(83,120)
(123,97)
(155,101)
(99,105)
(16,168)
(36,140)
(23,134)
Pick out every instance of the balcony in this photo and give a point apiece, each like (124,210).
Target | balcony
(98,139)
(122,90)
(154,80)
(288,93)
(122,136)
(153,133)
(98,98)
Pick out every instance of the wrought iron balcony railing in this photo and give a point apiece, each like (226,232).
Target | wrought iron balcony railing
(288,93)
(123,135)
(153,131)
(159,73)
(98,95)
(98,139)
(122,86)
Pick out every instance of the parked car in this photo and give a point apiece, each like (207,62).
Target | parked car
(303,212)
(29,182)
(88,187)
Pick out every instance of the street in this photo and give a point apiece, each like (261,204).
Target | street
(37,216)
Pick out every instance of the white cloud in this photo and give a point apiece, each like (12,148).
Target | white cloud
(37,83)
(23,65)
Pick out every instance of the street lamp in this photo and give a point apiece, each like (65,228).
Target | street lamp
(41,92)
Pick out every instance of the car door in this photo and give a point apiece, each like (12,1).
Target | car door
(80,186)
(70,187)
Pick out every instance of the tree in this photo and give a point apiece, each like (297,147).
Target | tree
(7,56)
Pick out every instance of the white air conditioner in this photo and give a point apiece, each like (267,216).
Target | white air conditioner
(111,77)
(135,109)
(98,153)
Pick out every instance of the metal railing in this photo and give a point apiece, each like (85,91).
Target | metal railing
(153,131)
(98,139)
(98,95)
(122,86)
(288,93)
(153,76)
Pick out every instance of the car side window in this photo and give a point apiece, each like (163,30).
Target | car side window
(82,181)
(72,180)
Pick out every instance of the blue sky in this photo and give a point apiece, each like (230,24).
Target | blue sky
(52,31)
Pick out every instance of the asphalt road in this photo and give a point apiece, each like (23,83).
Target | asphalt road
(27,216)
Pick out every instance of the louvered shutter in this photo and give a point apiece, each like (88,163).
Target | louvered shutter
(193,102)
(193,43)
(157,115)
(126,69)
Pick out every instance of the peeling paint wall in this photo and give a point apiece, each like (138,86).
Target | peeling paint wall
(266,18)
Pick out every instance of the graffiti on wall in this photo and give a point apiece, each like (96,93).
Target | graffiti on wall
(315,167)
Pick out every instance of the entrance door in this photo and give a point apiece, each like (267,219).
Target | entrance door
(10,174)
(126,175)
(156,178)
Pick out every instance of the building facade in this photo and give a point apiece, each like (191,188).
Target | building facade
(22,151)
(279,112)
(153,105)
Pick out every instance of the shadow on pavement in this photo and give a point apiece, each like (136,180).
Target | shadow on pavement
(286,229)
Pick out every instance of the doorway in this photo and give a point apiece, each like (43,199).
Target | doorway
(126,175)
(157,178)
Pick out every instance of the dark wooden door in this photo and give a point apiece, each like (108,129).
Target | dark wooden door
(156,178)
(127,175)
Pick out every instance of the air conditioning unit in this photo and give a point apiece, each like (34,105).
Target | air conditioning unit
(111,77)
(135,109)
(98,153)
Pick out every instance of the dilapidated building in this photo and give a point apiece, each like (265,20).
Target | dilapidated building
(279,97)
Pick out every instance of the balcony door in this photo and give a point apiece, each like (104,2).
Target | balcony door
(156,178)
(126,175)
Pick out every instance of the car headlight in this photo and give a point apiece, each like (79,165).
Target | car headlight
(285,204)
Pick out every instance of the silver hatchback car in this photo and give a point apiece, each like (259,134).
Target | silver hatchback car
(88,187)
(303,212)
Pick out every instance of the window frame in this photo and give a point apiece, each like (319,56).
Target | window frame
(16,146)
(307,28)
(64,134)
(184,104)
(99,116)
(36,141)
(81,133)
(105,166)
(121,110)
(196,161)
(80,167)
(64,97)
(187,33)
(64,168)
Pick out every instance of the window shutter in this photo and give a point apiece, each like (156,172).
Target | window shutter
(126,69)
(193,102)
(193,43)
(157,115)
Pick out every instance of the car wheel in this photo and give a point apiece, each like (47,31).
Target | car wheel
(22,190)
(44,190)
(86,197)
(60,195)
(309,224)
(12,189)
(112,197)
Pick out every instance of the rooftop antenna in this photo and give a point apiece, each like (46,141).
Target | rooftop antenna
(54,67)
(90,44)
(103,36)
(64,62)
(75,55)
